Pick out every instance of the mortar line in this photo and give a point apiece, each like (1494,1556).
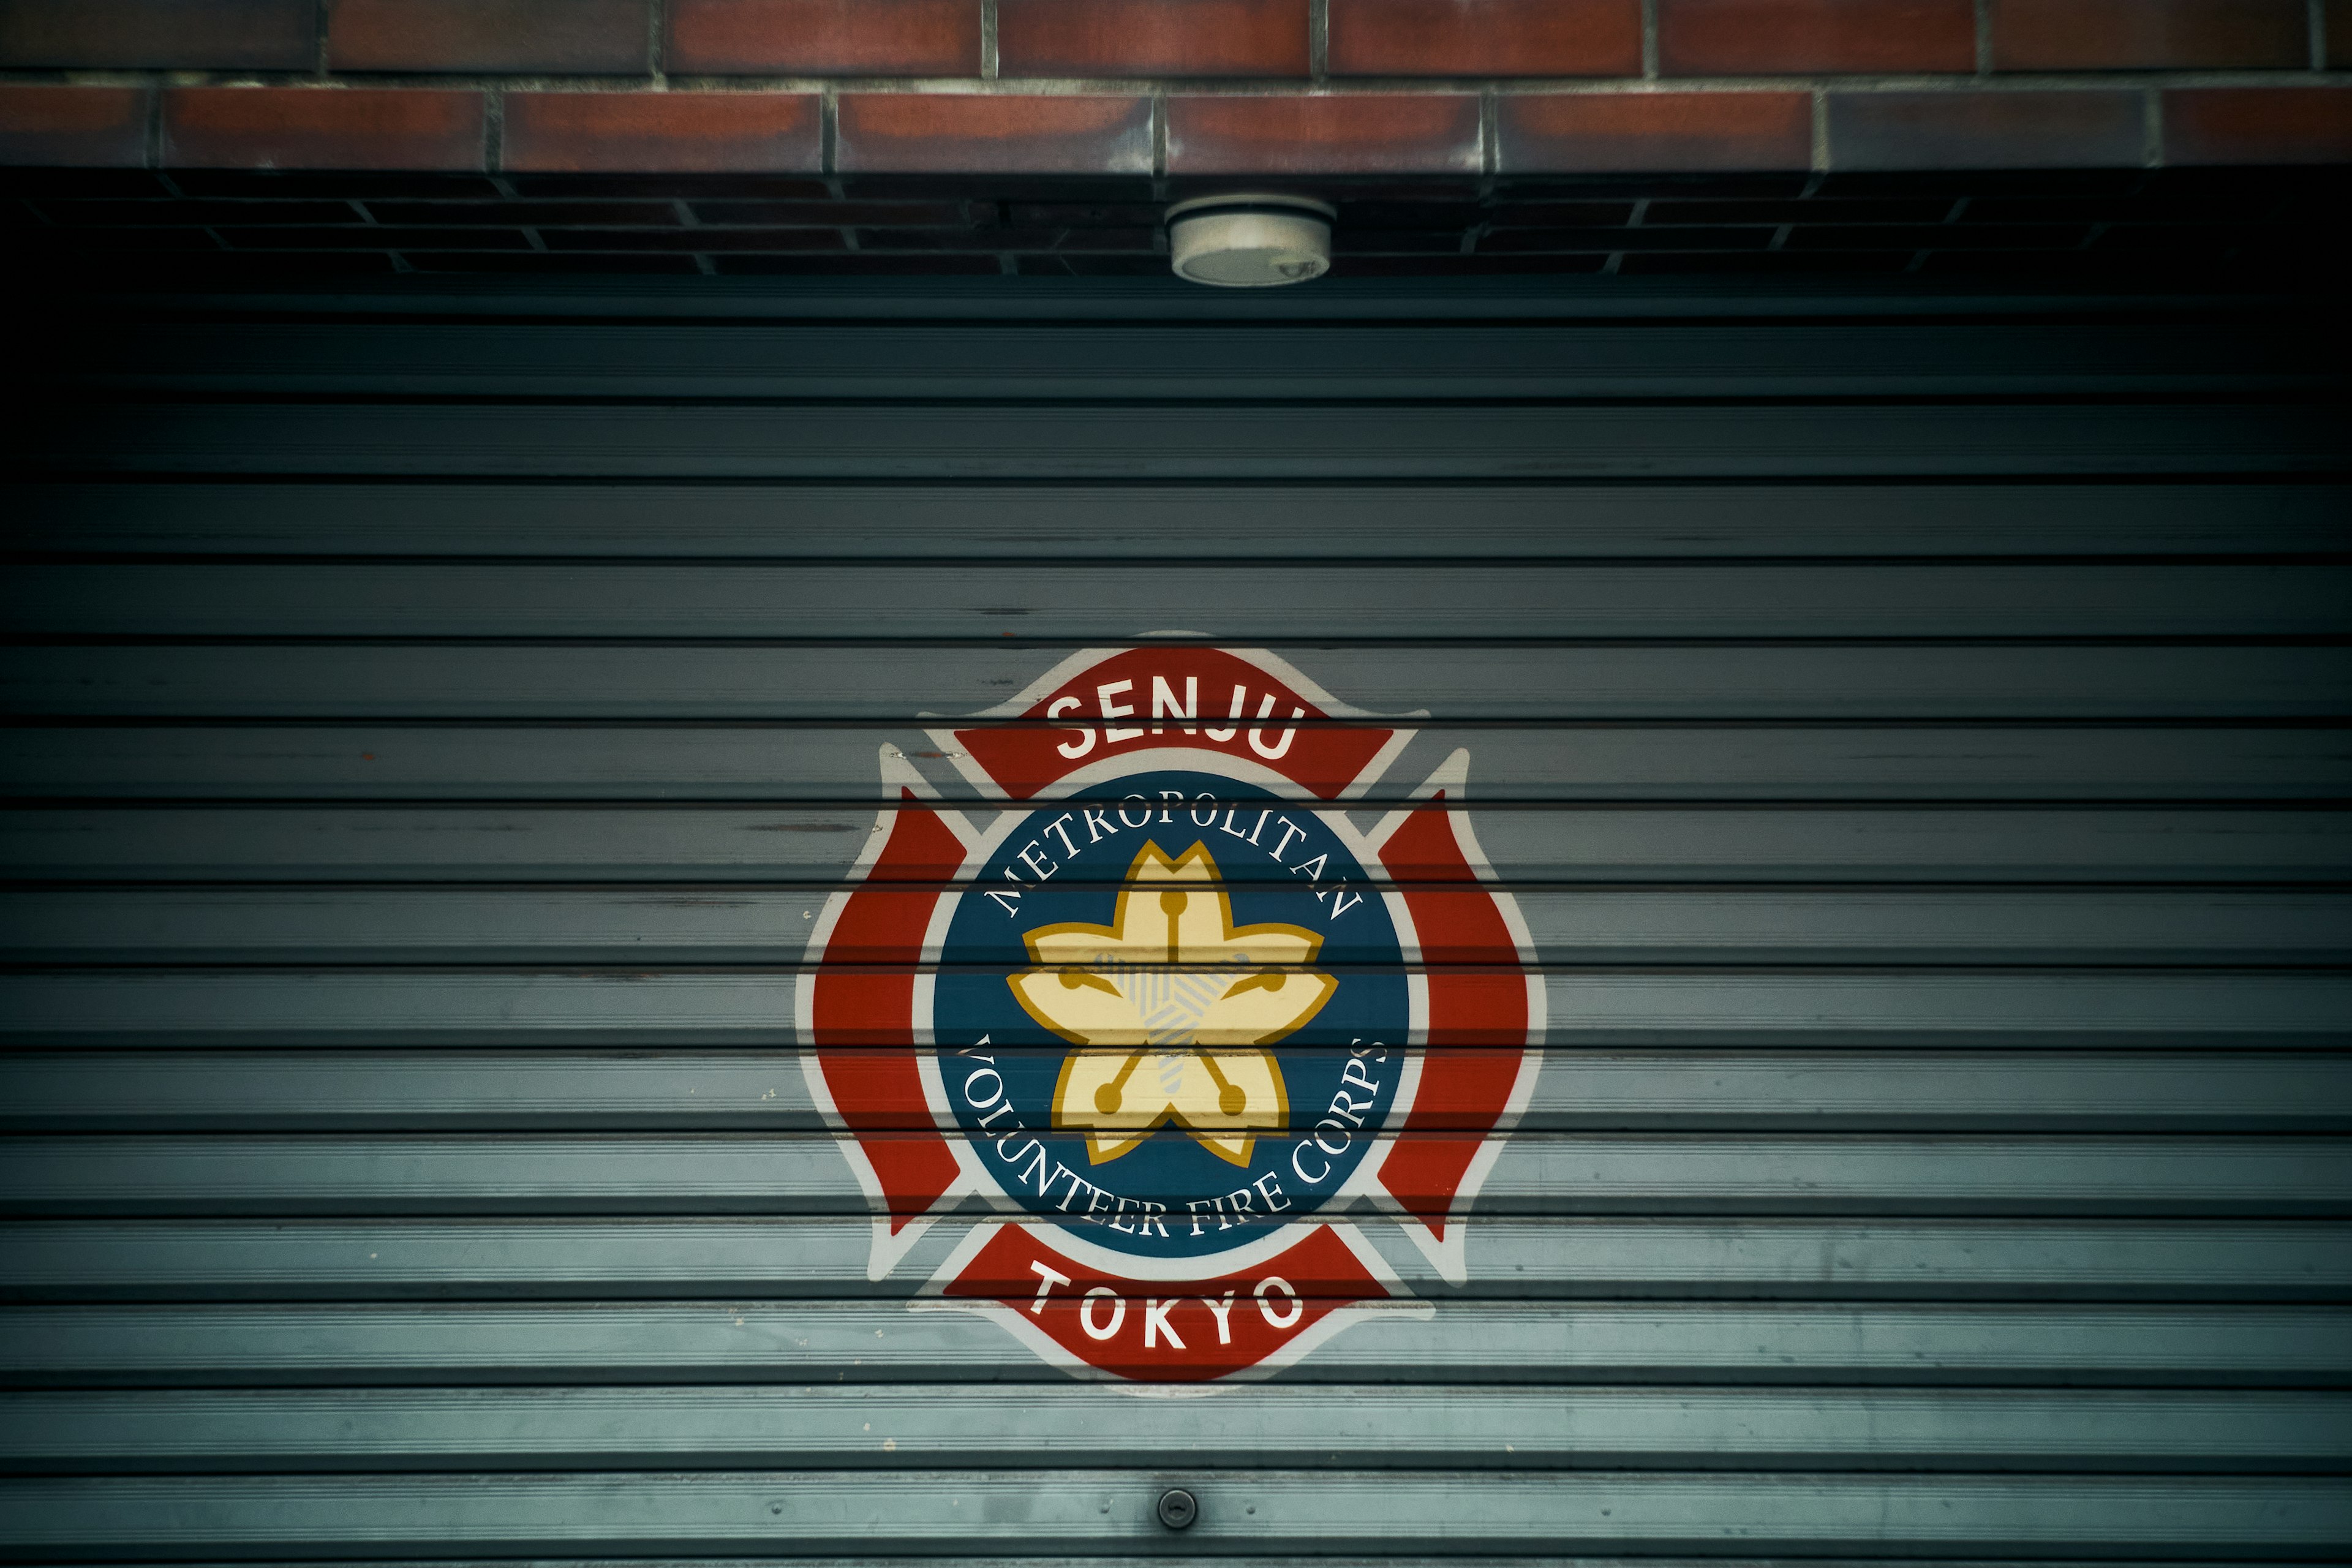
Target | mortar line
(152,142)
(493,130)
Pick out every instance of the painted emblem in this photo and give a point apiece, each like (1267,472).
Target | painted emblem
(1162,1034)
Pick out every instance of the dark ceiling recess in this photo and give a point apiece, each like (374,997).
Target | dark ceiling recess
(2232,227)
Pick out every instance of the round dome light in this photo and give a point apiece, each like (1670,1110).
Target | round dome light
(1250,241)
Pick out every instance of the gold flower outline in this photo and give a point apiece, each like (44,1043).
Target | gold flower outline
(1172,979)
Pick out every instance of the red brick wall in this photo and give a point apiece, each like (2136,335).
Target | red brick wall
(1174,87)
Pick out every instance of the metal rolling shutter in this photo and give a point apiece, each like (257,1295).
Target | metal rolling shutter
(1911,727)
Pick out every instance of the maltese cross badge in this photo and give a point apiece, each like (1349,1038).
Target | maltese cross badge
(1168,1030)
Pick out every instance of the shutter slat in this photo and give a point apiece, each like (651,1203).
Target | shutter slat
(1672,1258)
(2182,1009)
(1503,1342)
(1009,440)
(798,1174)
(814,848)
(836,765)
(1428,601)
(1058,1427)
(1219,363)
(1408,1512)
(1513,685)
(1339,521)
(722,924)
(1583,1090)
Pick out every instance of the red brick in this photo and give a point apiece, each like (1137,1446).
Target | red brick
(954,133)
(659,132)
(1625,131)
(847,37)
(321,127)
(2258,125)
(1151,37)
(1968,129)
(2148,35)
(1486,38)
(1765,38)
(81,127)
(572,35)
(1367,133)
(225,34)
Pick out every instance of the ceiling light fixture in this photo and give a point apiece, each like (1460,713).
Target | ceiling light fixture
(1251,240)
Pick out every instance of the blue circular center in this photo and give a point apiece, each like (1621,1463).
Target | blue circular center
(1195,1180)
